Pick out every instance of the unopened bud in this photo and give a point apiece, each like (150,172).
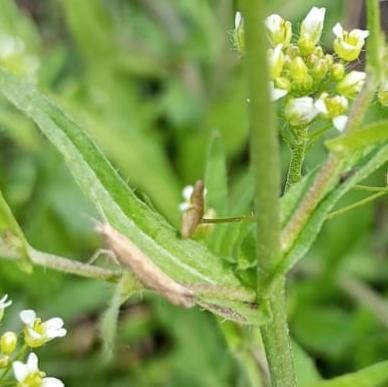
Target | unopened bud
(382,94)
(4,361)
(279,30)
(352,84)
(276,61)
(338,71)
(8,342)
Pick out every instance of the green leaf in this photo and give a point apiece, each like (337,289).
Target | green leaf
(126,287)
(186,261)
(216,176)
(373,376)
(12,241)
(363,164)
(361,138)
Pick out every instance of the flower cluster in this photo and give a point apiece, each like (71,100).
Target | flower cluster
(312,82)
(35,334)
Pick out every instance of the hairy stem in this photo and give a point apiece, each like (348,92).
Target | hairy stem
(266,166)
(298,150)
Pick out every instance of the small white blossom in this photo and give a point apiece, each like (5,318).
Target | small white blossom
(348,45)
(279,30)
(300,111)
(4,304)
(333,107)
(29,375)
(36,332)
(352,84)
(312,25)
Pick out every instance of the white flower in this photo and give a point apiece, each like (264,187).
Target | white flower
(4,304)
(276,93)
(300,111)
(29,375)
(333,107)
(276,61)
(279,30)
(312,24)
(237,20)
(352,84)
(348,45)
(36,332)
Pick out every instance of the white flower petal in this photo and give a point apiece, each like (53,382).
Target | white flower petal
(237,20)
(4,303)
(321,106)
(273,22)
(187,192)
(53,323)
(340,122)
(338,30)
(32,362)
(53,333)
(312,24)
(360,34)
(20,370)
(52,382)
(28,316)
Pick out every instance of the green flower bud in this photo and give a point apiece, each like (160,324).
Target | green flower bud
(338,71)
(292,51)
(351,85)
(306,45)
(382,94)
(298,69)
(320,70)
(279,30)
(318,51)
(8,342)
(283,83)
(4,361)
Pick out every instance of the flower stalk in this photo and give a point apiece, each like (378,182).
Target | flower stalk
(265,161)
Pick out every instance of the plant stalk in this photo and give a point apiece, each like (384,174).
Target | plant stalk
(298,149)
(266,166)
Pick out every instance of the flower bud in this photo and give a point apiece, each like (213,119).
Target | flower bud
(300,111)
(311,30)
(238,35)
(320,70)
(8,342)
(298,69)
(348,45)
(338,71)
(279,30)
(352,84)
(382,94)
(276,61)
(4,361)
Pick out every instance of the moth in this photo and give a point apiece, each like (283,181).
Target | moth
(149,274)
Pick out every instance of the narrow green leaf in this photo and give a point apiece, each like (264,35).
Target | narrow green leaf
(12,241)
(366,136)
(216,176)
(373,376)
(126,287)
(186,261)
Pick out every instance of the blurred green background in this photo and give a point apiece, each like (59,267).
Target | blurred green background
(150,80)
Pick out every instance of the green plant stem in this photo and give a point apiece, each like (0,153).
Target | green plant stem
(298,150)
(360,203)
(266,166)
